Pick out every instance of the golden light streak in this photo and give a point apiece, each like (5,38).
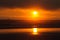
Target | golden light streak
(35,31)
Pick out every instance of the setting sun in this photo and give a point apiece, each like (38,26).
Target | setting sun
(35,13)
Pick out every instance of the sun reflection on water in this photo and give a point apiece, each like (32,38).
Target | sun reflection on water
(35,31)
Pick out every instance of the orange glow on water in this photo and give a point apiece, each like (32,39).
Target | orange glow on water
(34,31)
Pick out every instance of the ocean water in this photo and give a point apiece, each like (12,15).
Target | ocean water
(26,36)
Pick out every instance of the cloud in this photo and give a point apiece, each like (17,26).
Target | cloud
(45,4)
(15,3)
(50,4)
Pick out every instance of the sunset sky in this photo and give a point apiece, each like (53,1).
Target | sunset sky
(22,9)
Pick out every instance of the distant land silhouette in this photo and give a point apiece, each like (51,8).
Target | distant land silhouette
(22,24)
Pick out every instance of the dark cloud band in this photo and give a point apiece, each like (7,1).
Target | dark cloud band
(15,3)
(50,4)
(46,4)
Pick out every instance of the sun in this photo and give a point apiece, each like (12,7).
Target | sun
(35,13)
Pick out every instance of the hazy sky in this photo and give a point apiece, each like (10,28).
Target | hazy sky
(19,8)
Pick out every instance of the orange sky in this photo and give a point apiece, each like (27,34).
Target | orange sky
(18,13)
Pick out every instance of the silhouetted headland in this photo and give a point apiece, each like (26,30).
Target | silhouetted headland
(22,24)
